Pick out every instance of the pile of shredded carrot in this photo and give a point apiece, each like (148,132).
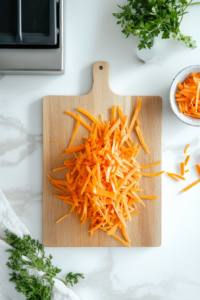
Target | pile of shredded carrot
(104,175)
(183,171)
(187,96)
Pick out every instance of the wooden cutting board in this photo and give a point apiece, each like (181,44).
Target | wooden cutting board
(145,228)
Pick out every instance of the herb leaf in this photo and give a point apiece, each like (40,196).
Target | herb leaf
(148,18)
(29,253)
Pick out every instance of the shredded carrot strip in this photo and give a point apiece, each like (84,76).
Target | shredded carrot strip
(71,210)
(173,177)
(185,151)
(139,133)
(198,169)
(113,112)
(58,169)
(190,186)
(103,177)
(91,117)
(148,197)
(73,149)
(135,213)
(132,121)
(182,165)
(187,159)
(75,131)
(152,165)
(77,118)
(151,174)
(186,171)
(176,175)
(120,240)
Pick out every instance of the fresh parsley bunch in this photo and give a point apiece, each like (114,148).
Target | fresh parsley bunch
(29,253)
(148,18)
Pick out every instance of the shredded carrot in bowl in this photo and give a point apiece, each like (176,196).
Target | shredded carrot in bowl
(104,175)
(187,97)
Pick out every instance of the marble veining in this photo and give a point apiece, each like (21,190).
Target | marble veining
(21,199)
(165,289)
(25,142)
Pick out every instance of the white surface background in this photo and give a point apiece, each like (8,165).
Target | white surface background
(169,272)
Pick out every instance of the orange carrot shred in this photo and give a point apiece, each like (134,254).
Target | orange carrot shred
(182,165)
(139,133)
(176,175)
(190,186)
(75,131)
(187,159)
(185,151)
(198,169)
(151,165)
(102,180)
(75,117)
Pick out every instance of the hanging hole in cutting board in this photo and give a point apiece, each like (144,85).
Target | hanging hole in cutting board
(100,68)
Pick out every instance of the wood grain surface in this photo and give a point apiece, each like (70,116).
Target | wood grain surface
(145,228)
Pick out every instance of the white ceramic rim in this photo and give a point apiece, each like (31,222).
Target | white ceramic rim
(187,120)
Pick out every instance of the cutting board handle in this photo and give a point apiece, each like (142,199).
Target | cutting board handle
(101,76)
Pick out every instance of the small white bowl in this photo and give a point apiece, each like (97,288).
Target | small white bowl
(174,106)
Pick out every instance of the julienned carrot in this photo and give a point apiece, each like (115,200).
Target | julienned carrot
(151,165)
(198,169)
(185,151)
(151,174)
(140,136)
(187,96)
(73,149)
(172,176)
(182,165)
(78,119)
(91,117)
(60,168)
(104,176)
(75,130)
(187,159)
(190,186)
(148,197)
(176,175)
(132,121)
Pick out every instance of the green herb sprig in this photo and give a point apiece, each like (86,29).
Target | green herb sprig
(148,18)
(29,253)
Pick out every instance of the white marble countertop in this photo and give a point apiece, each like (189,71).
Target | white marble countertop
(170,272)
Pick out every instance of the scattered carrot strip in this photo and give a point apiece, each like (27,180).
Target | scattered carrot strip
(58,169)
(190,186)
(173,177)
(75,131)
(186,171)
(152,165)
(91,117)
(176,175)
(140,136)
(185,151)
(182,165)
(82,122)
(187,159)
(113,112)
(151,174)
(135,213)
(104,175)
(132,121)
(198,169)
(148,197)
(73,149)
(120,240)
